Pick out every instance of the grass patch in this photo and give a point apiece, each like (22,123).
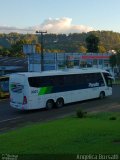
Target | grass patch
(93,134)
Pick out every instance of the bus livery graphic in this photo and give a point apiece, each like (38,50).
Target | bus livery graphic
(16,87)
(45,90)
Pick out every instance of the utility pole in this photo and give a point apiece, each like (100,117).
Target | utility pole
(41,41)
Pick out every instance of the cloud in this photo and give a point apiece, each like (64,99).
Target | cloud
(9,29)
(58,25)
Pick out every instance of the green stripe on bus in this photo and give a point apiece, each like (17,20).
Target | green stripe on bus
(45,90)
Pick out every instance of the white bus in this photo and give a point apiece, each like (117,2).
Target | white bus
(47,89)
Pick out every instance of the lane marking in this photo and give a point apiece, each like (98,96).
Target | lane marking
(5,120)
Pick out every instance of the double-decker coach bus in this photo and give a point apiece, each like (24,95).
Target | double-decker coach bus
(4,86)
(55,88)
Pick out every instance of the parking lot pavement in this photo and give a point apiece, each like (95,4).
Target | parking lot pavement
(11,118)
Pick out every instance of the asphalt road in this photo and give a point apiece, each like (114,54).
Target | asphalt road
(11,118)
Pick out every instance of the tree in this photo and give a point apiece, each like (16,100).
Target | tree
(118,58)
(113,60)
(38,48)
(4,52)
(17,48)
(101,49)
(82,49)
(92,42)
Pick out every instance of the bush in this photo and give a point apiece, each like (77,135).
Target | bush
(112,118)
(80,113)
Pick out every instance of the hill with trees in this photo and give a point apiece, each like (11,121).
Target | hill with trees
(11,44)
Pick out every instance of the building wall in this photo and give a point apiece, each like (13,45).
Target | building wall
(55,61)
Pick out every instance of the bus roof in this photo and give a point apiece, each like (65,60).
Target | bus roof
(61,72)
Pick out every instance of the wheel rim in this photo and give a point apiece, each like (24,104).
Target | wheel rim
(49,105)
(101,95)
(60,103)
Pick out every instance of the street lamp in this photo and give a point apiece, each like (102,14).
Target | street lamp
(41,41)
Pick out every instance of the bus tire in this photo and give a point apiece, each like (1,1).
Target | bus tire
(102,95)
(49,104)
(60,102)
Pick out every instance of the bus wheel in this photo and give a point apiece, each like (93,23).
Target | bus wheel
(59,103)
(49,104)
(102,95)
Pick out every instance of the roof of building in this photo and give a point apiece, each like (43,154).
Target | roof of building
(13,63)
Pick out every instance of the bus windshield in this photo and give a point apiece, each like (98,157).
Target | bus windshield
(108,79)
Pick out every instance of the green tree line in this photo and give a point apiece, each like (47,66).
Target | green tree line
(11,44)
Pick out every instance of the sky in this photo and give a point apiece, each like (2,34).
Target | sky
(59,16)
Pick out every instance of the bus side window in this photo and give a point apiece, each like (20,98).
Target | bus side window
(34,81)
(69,80)
(58,81)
